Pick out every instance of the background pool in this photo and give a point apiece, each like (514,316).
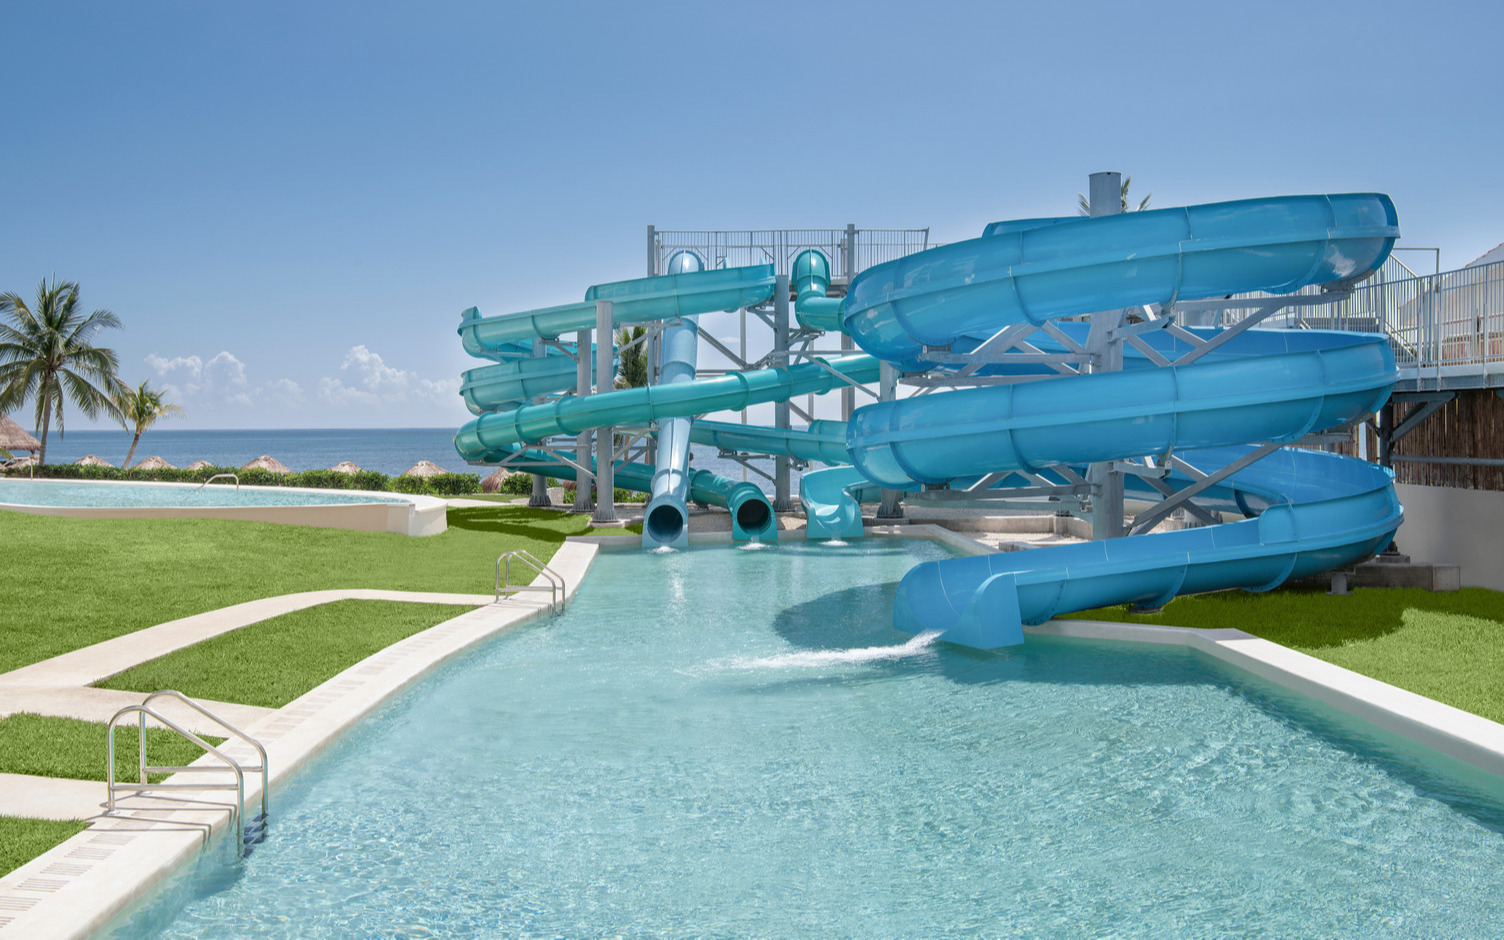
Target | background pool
(708,744)
(114,495)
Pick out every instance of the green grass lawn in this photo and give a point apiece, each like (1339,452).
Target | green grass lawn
(273,662)
(70,583)
(1446,646)
(22,840)
(73,749)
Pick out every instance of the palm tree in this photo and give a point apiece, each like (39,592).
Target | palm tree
(47,354)
(142,406)
(1084,205)
(634,361)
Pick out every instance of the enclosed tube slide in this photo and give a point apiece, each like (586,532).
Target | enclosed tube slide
(665,522)
(732,392)
(810,278)
(497,392)
(751,514)
(1318,511)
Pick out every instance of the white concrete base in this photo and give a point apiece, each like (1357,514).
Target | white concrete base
(1449,526)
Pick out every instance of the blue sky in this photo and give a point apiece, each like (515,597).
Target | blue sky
(289,204)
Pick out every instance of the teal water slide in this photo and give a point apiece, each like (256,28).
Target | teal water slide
(1205,409)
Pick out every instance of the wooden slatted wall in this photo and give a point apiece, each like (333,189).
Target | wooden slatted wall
(1471,425)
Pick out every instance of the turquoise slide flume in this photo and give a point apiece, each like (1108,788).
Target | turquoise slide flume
(731,392)
(1319,511)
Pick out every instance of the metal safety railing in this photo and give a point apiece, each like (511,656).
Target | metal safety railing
(252,832)
(222,476)
(850,250)
(553,581)
(1441,326)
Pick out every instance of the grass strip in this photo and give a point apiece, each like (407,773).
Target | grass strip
(67,747)
(1446,646)
(22,840)
(70,583)
(272,662)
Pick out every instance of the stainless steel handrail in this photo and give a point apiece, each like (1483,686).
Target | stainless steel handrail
(555,580)
(237,809)
(222,476)
(234,731)
(143,711)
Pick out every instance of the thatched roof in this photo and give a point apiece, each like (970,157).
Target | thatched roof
(154,463)
(346,466)
(493,483)
(267,462)
(92,461)
(13,437)
(198,465)
(424,468)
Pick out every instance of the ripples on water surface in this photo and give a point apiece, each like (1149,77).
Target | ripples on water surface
(723,743)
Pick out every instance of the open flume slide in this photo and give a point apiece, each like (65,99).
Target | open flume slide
(1313,511)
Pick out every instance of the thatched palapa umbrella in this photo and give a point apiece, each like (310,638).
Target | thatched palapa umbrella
(13,437)
(198,465)
(92,461)
(347,467)
(424,468)
(496,480)
(154,463)
(267,462)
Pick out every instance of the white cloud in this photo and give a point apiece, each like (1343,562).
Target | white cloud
(221,380)
(193,364)
(372,381)
(333,390)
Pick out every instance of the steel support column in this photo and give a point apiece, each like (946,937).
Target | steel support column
(1105,347)
(605,438)
(782,501)
(584,480)
(540,482)
(891,508)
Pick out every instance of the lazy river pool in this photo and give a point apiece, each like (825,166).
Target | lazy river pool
(732,742)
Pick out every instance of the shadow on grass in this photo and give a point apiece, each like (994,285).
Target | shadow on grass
(543,525)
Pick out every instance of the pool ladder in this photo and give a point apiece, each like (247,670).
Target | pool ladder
(553,581)
(222,476)
(251,831)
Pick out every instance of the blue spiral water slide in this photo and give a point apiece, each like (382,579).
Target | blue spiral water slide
(1310,511)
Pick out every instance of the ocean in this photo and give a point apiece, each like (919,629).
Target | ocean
(385,450)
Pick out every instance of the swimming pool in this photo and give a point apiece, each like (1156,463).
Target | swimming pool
(732,742)
(110,494)
(412,515)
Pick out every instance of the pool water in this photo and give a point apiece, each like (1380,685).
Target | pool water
(118,495)
(729,743)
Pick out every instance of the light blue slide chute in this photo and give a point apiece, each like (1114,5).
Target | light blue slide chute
(1318,511)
